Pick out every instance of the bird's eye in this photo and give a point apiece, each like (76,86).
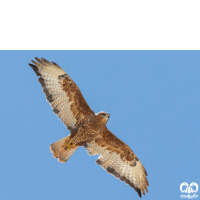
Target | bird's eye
(103,114)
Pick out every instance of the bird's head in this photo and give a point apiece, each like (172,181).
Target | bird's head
(103,116)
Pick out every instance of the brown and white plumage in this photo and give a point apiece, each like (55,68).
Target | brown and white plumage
(119,160)
(62,93)
(87,129)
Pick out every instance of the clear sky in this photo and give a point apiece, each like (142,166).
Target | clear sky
(153,98)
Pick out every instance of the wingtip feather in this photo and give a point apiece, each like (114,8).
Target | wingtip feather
(35,69)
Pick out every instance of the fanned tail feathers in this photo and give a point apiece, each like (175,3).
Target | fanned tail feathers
(58,150)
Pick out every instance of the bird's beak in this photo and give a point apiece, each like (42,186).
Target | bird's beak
(108,115)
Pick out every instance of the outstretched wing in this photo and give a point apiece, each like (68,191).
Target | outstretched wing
(119,160)
(61,92)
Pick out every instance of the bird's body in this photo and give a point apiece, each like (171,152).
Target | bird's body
(87,129)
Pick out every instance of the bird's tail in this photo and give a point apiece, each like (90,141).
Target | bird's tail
(63,149)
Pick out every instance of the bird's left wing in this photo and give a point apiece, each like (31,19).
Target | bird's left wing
(119,160)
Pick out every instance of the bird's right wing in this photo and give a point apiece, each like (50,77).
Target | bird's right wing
(61,92)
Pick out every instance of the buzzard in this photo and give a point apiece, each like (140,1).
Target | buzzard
(87,129)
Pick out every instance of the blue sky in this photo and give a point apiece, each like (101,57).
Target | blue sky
(153,98)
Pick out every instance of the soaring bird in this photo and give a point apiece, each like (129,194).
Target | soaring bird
(87,129)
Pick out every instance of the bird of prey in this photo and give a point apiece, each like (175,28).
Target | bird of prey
(87,129)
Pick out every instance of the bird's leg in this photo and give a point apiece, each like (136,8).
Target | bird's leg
(68,144)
